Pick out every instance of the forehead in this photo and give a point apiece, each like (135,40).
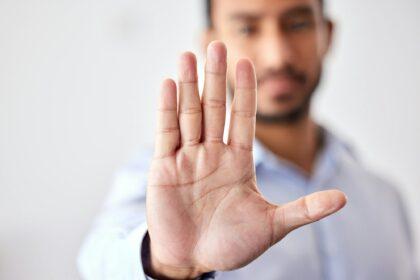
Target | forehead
(224,9)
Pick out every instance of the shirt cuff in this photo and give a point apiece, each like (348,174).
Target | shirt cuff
(135,239)
(138,240)
(209,275)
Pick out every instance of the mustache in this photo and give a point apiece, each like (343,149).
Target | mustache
(287,72)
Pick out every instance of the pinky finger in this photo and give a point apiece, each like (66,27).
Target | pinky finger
(167,134)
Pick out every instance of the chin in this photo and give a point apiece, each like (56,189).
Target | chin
(279,108)
(286,114)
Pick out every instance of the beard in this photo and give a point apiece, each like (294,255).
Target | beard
(299,111)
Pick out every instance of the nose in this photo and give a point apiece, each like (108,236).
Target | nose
(275,50)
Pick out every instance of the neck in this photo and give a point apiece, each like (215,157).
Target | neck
(297,142)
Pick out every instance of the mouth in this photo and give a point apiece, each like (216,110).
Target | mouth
(279,87)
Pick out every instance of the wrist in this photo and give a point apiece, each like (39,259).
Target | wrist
(155,269)
(159,271)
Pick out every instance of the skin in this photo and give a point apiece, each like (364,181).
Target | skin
(278,35)
(204,209)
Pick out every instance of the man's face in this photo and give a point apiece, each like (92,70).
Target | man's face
(287,41)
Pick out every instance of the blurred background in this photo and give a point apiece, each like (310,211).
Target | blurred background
(78,87)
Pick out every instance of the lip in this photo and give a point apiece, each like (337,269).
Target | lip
(279,87)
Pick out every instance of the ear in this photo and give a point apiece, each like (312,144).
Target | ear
(207,37)
(329,35)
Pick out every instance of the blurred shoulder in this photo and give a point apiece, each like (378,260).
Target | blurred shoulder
(354,171)
(130,180)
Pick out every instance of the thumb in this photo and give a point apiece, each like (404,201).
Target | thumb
(306,210)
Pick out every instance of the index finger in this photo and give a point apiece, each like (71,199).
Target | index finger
(244,107)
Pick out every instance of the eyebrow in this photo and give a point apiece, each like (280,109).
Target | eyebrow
(243,16)
(303,10)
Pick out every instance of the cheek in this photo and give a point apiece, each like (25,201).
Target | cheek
(309,60)
(306,48)
(234,54)
(231,73)
(307,54)
(313,64)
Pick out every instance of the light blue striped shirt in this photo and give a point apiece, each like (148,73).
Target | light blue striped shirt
(368,239)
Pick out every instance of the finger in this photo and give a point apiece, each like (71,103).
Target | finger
(242,123)
(190,112)
(306,210)
(214,94)
(167,134)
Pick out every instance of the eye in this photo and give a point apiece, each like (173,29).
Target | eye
(247,30)
(298,25)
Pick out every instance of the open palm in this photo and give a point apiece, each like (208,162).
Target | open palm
(204,209)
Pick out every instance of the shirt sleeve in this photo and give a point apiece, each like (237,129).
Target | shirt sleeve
(404,217)
(112,249)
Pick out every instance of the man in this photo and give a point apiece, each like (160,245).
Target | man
(227,209)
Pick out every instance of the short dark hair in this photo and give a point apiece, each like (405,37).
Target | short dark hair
(209,7)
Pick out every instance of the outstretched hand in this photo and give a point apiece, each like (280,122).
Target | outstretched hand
(204,209)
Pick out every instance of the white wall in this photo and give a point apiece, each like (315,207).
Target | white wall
(78,81)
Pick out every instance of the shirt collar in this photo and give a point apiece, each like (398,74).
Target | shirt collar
(329,159)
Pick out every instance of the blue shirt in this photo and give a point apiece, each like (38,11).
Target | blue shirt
(368,239)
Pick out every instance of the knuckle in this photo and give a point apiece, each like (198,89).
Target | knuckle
(166,110)
(188,82)
(191,141)
(305,210)
(191,110)
(213,139)
(244,114)
(168,130)
(214,103)
(220,72)
(241,146)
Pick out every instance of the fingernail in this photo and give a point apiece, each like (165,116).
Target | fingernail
(188,67)
(216,51)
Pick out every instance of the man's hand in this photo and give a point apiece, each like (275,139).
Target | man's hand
(204,209)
